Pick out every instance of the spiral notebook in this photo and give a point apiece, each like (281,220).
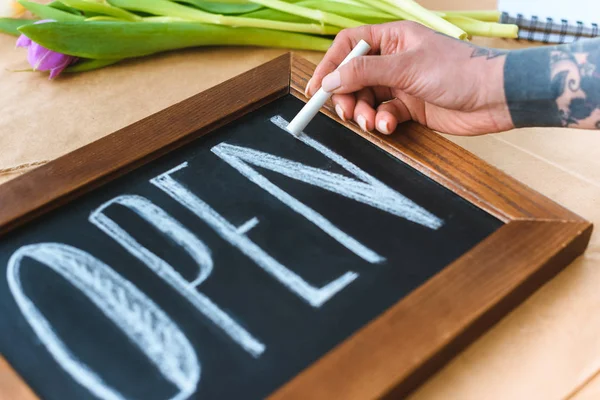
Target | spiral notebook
(552,21)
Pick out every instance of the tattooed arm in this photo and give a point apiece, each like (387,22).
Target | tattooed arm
(554,86)
(414,73)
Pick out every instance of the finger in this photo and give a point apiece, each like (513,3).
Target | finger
(364,112)
(344,105)
(390,114)
(382,94)
(386,122)
(343,43)
(390,38)
(391,71)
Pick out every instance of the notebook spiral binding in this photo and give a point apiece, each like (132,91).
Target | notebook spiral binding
(550,31)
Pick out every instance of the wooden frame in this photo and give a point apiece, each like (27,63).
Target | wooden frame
(449,311)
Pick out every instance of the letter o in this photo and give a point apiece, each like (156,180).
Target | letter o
(144,322)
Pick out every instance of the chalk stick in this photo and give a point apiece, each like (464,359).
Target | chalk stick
(313,106)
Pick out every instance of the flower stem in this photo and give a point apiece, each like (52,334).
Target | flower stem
(484,15)
(309,13)
(278,25)
(390,10)
(474,23)
(482,28)
(353,10)
(104,18)
(170,9)
(101,7)
(420,14)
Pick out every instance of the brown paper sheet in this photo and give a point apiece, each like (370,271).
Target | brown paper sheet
(548,348)
(41,119)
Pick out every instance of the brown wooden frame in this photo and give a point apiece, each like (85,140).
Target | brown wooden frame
(398,350)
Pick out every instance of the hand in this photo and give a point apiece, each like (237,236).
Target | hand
(415,73)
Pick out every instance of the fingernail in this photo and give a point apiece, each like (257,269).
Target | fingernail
(307,87)
(331,81)
(362,122)
(383,126)
(340,112)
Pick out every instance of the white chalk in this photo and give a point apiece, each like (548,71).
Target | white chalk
(313,106)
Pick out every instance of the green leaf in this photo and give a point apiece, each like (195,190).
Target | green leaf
(89,65)
(60,6)
(101,8)
(223,8)
(47,12)
(123,39)
(10,25)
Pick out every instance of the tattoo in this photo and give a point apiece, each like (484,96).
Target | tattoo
(555,86)
(487,53)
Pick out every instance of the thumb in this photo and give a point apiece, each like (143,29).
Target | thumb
(367,71)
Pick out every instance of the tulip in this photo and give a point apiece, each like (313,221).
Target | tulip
(43,59)
(103,32)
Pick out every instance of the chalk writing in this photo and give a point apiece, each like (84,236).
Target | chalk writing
(225,151)
(192,245)
(367,189)
(312,295)
(144,323)
(248,225)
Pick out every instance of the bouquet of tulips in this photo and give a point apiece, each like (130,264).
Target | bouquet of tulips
(81,35)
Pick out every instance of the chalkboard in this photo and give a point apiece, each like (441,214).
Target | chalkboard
(354,252)
(223,269)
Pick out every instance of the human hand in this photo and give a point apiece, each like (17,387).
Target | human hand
(415,73)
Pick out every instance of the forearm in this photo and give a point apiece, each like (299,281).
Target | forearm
(554,86)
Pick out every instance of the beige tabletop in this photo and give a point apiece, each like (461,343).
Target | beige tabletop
(548,348)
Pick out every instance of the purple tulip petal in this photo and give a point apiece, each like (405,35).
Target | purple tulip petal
(35,53)
(51,60)
(54,72)
(23,41)
(43,59)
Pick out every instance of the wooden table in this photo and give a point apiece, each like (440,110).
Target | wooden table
(548,348)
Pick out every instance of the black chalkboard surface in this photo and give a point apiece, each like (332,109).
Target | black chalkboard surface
(225,268)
